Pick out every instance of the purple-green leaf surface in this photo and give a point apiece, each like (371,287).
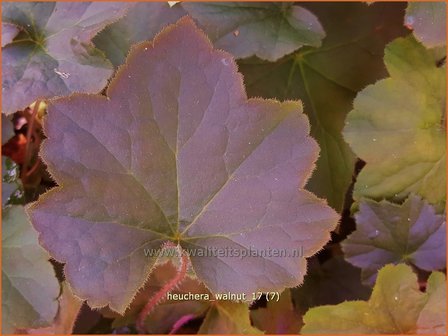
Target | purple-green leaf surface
(9,32)
(176,151)
(391,233)
(53,54)
(29,285)
(267,30)
(428,22)
(142,22)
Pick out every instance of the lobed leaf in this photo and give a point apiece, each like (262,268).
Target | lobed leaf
(398,127)
(53,54)
(327,80)
(396,307)
(29,285)
(177,152)
(267,30)
(428,22)
(390,233)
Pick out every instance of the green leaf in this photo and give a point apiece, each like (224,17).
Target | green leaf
(398,127)
(53,54)
(267,30)
(390,233)
(428,22)
(278,317)
(328,78)
(227,317)
(142,22)
(186,158)
(29,285)
(395,307)
(432,319)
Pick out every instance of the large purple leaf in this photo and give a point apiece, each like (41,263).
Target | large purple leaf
(177,152)
(391,233)
(53,54)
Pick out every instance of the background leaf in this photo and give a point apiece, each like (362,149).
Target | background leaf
(278,317)
(398,127)
(53,54)
(267,30)
(432,319)
(328,78)
(225,317)
(142,22)
(390,233)
(29,286)
(428,22)
(138,185)
(69,307)
(394,307)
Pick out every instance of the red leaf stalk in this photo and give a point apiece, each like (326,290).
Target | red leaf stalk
(161,294)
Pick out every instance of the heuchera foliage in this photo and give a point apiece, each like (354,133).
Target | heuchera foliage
(128,168)
(312,134)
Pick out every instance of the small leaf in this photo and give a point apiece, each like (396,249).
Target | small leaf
(278,317)
(395,307)
(327,80)
(186,158)
(225,317)
(142,22)
(9,32)
(428,22)
(267,30)
(53,54)
(390,233)
(29,285)
(398,127)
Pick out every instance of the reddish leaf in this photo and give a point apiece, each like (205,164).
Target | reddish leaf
(15,148)
(177,152)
